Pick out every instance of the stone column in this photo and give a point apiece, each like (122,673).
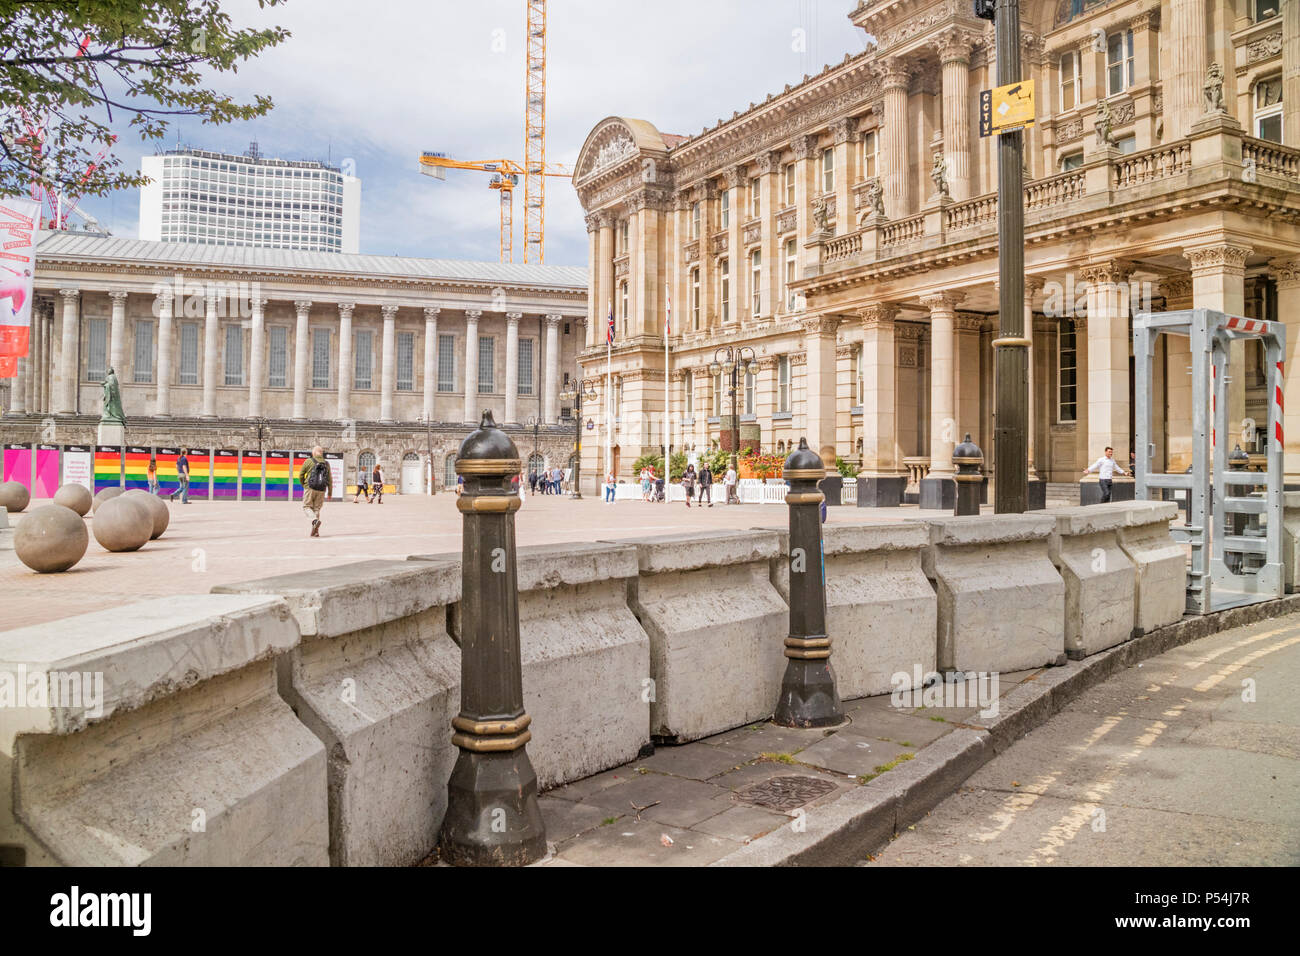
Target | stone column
(512,367)
(594,294)
(769,172)
(605,276)
(646,277)
(18,391)
(1286,272)
(966,376)
(1033,286)
(943,422)
(471,364)
(66,403)
(1291,73)
(300,360)
(39,360)
(1187,67)
(733,179)
(388,365)
(430,359)
(1219,282)
(1108,353)
(211,354)
(880,453)
(1177,291)
(819,343)
(117,333)
(550,383)
(844,131)
(257,358)
(49,358)
(894,81)
(163,367)
(954,54)
(344,410)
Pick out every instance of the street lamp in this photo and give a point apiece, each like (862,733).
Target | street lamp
(262,430)
(735,359)
(428,449)
(576,392)
(535,424)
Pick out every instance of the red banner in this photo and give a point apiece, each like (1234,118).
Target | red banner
(18,220)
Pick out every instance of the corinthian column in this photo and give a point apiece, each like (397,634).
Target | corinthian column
(211,354)
(257,358)
(117,333)
(67,391)
(344,411)
(943,421)
(163,373)
(430,359)
(954,54)
(893,154)
(300,369)
(550,384)
(388,367)
(471,363)
(512,367)
(1187,67)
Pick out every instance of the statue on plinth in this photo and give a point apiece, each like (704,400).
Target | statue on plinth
(939,175)
(875,206)
(1104,124)
(1214,90)
(112,400)
(821,215)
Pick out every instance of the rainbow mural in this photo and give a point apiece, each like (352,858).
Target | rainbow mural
(279,475)
(18,464)
(200,473)
(108,467)
(225,474)
(250,476)
(299,459)
(137,467)
(166,459)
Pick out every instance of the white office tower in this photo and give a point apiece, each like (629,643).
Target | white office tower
(219,199)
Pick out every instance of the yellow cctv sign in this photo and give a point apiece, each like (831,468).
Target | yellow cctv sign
(1005,108)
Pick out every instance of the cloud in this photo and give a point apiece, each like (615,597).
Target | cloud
(380,81)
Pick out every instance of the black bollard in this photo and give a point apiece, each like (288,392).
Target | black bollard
(492,814)
(968,459)
(808,695)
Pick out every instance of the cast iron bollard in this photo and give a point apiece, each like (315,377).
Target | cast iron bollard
(808,695)
(968,458)
(492,814)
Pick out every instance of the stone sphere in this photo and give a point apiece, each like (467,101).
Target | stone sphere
(14,496)
(76,497)
(162,516)
(51,538)
(123,524)
(104,495)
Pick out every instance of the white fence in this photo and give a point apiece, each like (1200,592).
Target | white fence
(752,491)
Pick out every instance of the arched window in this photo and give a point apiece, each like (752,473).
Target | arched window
(367,461)
(535,463)
(410,456)
(451,471)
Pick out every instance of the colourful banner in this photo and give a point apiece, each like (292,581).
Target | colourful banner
(225,474)
(137,467)
(200,473)
(279,475)
(299,459)
(78,466)
(165,458)
(18,464)
(18,222)
(335,460)
(250,476)
(108,467)
(47,471)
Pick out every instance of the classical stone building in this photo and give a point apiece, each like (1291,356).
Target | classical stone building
(845,229)
(370,355)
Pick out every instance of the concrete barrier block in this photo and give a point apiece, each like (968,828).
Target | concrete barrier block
(1161,562)
(1100,579)
(881,612)
(161,740)
(1291,540)
(378,683)
(716,626)
(4,519)
(1001,601)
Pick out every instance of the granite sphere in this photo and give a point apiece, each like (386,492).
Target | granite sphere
(76,497)
(14,496)
(51,538)
(161,515)
(123,524)
(106,494)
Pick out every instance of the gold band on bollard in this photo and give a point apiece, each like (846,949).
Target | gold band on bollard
(798,654)
(807,642)
(798,474)
(492,504)
(967,477)
(805,498)
(488,466)
(491,744)
(1012,342)
(808,648)
(482,727)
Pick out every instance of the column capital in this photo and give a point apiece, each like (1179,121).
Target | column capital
(803,145)
(894,74)
(879,315)
(821,324)
(844,129)
(954,46)
(431,313)
(597,220)
(471,315)
(1110,272)
(345,308)
(968,322)
(1176,287)
(69,294)
(390,311)
(301,306)
(942,301)
(257,304)
(733,176)
(210,296)
(553,319)
(163,301)
(768,161)
(1033,286)
(1286,272)
(117,295)
(512,319)
(1220,257)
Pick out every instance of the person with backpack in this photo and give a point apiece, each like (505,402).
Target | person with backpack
(377,483)
(317,484)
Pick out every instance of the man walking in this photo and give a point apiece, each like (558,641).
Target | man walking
(377,483)
(729,482)
(182,476)
(317,482)
(1106,466)
(363,484)
(706,484)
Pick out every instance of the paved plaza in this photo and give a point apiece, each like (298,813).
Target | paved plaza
(210,543)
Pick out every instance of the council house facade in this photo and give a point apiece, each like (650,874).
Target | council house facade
(845,230)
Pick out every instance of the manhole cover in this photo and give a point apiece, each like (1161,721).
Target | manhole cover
(785,793)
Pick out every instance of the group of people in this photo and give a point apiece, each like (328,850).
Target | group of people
(700,485)
(370,484)
(548,481)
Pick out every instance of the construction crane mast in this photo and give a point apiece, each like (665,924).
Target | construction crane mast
(535,135)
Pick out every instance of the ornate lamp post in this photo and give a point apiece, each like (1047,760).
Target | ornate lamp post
(808,695)
(535,423)
(492,814)
(261,429)
(734,358)
(576,392)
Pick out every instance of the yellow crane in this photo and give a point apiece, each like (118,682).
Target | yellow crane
(506,173)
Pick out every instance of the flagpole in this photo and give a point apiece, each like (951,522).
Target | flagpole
(668,321)
(609,394)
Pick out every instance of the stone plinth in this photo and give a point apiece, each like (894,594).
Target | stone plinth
(110,433)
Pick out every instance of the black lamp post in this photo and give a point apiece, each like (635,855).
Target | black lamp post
(262,429)
(428,448)
(576,392)
(733,358)
(535,424)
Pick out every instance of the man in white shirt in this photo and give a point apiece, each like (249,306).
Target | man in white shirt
(1106,466)
(729,482)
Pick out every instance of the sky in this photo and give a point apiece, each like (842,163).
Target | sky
(378,82)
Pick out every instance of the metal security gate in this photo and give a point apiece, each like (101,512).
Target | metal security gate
(1234,530)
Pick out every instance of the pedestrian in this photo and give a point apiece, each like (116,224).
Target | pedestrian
(688,483)
(377,483)
(645,484)
(558,474)
(363,484)
(317,483)
(706,484)
(532,482)
(609,487)
(460,485)
(1106,466)
(152,474)
(729,483)
(183,477)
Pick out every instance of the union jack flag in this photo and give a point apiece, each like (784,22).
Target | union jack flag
(668,320)
(609,329)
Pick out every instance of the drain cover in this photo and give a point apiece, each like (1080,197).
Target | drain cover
(785,793)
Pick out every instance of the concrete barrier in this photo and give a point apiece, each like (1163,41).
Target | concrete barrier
(881,612)
(377,679)
(1160,560)
(716,626)
(1291,540)
(160,740)
(1100,579)
(1001,600)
